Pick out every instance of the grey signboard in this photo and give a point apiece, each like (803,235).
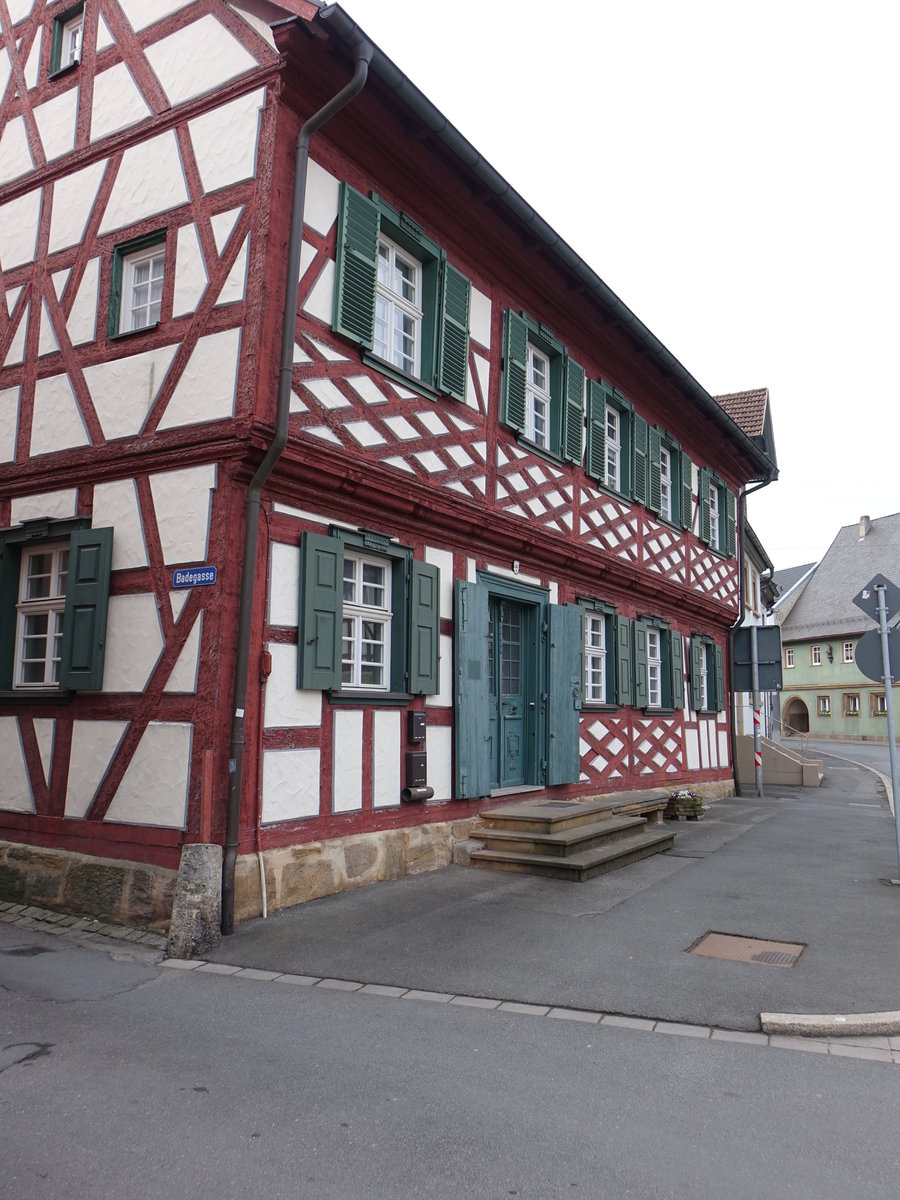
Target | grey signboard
(768,647)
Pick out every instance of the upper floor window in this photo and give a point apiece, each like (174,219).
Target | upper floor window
(65,45)
(54,589)
(815,656)
(542,393)
(789,656)
(398,310)
(848,652)
(537,398)
(136,284)
(398,297)
(665,483)
(609,425)
(718,509)
(614,446)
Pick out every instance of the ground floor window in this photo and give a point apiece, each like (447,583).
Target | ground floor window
(707,674)
(823,706)
(879,705)
(658,665)
(851,704)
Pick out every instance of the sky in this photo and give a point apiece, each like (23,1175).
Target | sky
(731,172)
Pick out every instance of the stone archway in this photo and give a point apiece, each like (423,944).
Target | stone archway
(796,716)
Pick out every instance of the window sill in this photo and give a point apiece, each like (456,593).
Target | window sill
(542,452)
(363,696)
(36,695)
(130,333)
(66,70)
(624,497)
(598,706)
(395,373)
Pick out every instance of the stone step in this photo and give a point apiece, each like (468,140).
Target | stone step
(549,816)
(583,865)
(563,842)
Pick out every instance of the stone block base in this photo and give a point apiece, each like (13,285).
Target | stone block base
(133,893)
(197,910)
(295,874)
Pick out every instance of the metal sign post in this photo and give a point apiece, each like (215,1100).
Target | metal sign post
(881,591)
(757,734)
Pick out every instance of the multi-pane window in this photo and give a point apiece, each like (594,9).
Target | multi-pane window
(142,287)
(703,657)
(70,50)
(654,669)
(789,656)
(595,657)
(613,448)
(42,601)
(815,656)
(398,308)
(879,706)
(366,629)
(848,652)
(665,483)
(714,516)
(537,398)
(823,705)
(851,704)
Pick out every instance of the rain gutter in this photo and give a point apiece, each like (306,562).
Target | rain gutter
(363,52)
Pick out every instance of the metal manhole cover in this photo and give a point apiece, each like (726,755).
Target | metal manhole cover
(737,948)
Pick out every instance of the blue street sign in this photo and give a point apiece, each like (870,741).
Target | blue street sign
(194,577)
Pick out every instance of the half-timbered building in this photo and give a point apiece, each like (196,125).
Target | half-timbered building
(319,592)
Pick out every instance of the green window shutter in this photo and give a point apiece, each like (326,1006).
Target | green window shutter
(639,456)
(624,677)
(424,627)
(573,412)
(515,357)
(357,267)
(473,699)
(595,464)
(730,523)
(720,679)
(654,497)
(566,690)
(115,296)
(641,694)
(87,600)
(687,487)
(696,673)
(703,487)
(10,561)
(453,355)
(677,646)
(321,609)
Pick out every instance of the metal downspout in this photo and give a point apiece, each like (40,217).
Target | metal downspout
(742,526)
(363,51)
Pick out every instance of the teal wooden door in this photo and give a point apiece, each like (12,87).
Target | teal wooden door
(510,718)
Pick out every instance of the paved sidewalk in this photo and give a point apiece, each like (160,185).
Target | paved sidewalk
(802,865)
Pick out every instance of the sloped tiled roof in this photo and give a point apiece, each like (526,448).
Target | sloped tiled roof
(747,410)
(785,580)
(825,608)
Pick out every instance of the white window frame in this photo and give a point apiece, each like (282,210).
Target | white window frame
(613,448)
(128,309)
(356,613)
(714,515)
(71,37)
(538,401)
(880,705)
(815,656)
(595,651)
(704,676)
(788,657)
(666,483)
(52,606)
(397,308)
(847,652)
(654,668)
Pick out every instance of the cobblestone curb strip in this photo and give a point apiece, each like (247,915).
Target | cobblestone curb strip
(29,916)
(875,1049)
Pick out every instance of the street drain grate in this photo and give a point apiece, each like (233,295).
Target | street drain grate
(736,948)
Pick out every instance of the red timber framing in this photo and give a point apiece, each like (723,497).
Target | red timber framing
(446,479)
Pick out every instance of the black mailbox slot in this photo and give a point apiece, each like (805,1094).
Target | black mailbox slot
(415,726)
(416,768)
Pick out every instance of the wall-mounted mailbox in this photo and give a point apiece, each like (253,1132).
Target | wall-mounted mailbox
(416,768)
(415,726)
